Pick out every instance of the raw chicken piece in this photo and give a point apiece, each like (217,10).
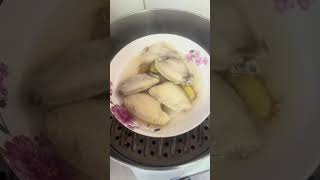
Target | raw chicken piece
(77,74)
(138,83)
(175,70)
(146,108)
(157,50)
(171,95)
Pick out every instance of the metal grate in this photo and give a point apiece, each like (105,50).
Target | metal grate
(158,152)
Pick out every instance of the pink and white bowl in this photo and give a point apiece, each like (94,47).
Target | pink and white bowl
(194,54)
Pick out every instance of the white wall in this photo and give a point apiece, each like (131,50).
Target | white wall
(120,8)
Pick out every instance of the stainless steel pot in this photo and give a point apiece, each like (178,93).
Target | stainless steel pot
(133,149)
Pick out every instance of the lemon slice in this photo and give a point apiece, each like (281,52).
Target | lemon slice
(189,91)
(254,92)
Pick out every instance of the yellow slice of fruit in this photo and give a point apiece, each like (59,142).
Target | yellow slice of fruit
(254,92)
(189,91)
(153,68)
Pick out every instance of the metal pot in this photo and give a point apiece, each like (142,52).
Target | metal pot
(144,152)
